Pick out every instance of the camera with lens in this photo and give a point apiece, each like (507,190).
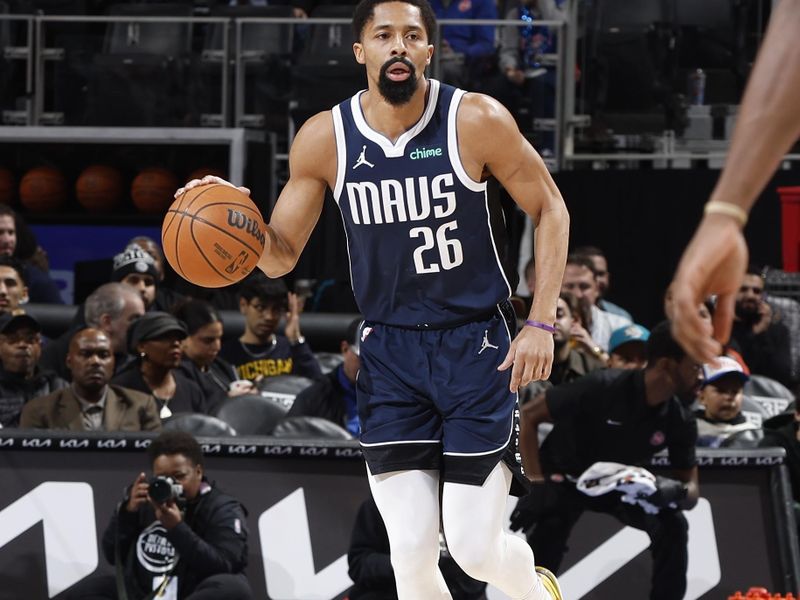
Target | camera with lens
(161,489)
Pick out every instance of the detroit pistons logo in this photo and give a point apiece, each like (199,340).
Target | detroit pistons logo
(154,551)
(239,220)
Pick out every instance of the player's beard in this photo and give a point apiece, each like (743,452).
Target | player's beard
(397,93)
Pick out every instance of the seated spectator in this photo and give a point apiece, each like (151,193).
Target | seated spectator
(763,344)
(191,543)
(337,401)
(90,403)
(603,277)
(201,360)
(21,379)
(580,281)
(41,288)
(13,289)
(137,268)
(720,398)
(261,352)
(155,340)
(166,299)
(111,308)
(370,566)
(627,347)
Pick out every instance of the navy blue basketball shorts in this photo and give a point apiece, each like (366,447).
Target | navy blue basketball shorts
(433,399)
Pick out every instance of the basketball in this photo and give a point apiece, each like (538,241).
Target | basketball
(213,235)
(99,188)
(6,186)
(42,189)
(152,190)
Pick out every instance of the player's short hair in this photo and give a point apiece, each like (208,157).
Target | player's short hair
(365,11)
(661,344)
(176,442)
(16,264)
(261,287)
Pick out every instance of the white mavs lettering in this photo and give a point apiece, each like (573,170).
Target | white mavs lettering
(394,201)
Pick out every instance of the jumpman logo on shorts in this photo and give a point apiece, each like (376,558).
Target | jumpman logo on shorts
(485,343)
(362,159)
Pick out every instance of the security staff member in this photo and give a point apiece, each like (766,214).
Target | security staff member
(622,416)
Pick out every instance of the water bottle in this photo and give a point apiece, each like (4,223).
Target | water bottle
(697,87)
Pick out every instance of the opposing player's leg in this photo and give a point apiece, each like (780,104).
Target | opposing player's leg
(473,517)
(409,504)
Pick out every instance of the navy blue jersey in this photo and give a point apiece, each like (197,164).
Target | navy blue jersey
(419,229)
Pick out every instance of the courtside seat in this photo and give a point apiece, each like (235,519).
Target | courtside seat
(198,425)
(309,428)
(251,414)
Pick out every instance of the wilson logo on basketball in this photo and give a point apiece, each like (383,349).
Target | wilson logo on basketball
(242,221)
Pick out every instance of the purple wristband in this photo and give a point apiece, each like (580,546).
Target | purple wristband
(540,325)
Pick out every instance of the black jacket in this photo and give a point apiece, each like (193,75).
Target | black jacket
(188,395)
(212,539)
(15,391)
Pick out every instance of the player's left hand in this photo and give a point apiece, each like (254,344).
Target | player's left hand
(531,354)
(167,513)
(209,180)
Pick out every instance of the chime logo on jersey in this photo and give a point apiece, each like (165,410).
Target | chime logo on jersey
(394,201)
(154,551)
(420,153)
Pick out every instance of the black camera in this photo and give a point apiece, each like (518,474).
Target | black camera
(161,489)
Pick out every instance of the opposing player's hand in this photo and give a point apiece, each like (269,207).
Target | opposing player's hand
(210,180)
(714,263)
(531,354)
(138,493)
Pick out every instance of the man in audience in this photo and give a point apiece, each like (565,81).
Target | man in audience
(261,352)
(190,542)
(721,396)
(622,417)
(627,347)
(21,379)
(40,287)
(90,403)
(580,281)
(763,344)
(783,431)
(603,277)
(111,308)
(166,299)
(337,401)
(137,268)
(13,289)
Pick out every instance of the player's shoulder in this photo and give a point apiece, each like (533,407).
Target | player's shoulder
(479,108)
(315,142)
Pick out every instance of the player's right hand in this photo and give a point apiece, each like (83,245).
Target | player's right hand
(138,495)
(714,263)
(209,180)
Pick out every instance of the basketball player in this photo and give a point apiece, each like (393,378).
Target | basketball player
(407,161)
(767,126)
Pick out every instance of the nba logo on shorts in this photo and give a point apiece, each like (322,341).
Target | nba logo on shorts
(657,438)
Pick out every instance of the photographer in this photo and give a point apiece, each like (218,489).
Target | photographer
(175,534)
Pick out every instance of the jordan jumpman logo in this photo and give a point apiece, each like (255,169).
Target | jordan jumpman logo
(485,344)
(362,159)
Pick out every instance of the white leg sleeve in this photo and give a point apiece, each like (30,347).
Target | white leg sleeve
(473,527)
(409,504)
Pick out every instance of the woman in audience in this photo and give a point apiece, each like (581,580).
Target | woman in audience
(155,340)
(201,361)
